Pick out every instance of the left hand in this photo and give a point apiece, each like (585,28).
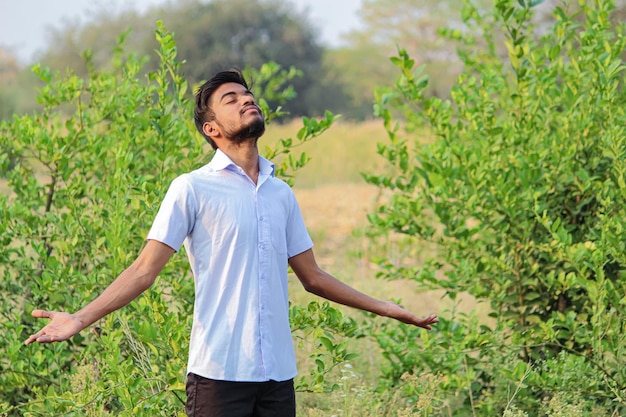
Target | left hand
(394,311)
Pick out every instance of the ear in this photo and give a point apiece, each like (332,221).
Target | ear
(210,129)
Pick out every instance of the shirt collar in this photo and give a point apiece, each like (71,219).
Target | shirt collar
(221,161)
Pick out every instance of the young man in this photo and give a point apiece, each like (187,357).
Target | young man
(241,228)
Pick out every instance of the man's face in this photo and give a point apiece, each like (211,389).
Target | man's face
(236,113)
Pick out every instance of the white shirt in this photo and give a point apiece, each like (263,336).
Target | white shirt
(238,237)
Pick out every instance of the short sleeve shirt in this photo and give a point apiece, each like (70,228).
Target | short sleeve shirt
(238,236)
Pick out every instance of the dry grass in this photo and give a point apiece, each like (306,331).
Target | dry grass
(338,156)
(4,188)
(332,214)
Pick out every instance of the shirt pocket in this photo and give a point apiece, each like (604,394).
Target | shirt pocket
(279,241)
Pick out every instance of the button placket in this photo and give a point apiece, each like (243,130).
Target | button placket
(264,247)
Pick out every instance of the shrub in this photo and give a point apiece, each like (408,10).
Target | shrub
(89,173)
(523,195)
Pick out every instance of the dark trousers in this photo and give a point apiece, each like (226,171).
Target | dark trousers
(211,398)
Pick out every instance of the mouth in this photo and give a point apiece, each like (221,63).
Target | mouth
(251,108)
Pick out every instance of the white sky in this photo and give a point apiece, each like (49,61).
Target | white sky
(24,23)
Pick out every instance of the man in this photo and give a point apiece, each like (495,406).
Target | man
(241,228)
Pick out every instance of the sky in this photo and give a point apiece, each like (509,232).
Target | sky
(24,24)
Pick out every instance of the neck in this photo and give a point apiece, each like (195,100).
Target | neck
(245,155)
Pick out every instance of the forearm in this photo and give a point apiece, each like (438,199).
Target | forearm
(330,288)
(321,283)
(128,286)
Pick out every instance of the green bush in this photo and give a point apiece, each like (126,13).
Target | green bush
(83,182)
(523,197)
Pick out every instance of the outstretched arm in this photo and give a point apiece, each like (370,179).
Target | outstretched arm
(129,285)
(319,282)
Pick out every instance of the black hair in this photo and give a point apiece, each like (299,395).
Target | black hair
(203,112)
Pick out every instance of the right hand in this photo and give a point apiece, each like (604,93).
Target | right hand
(61,327)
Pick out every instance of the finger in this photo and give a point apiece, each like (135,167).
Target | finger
(427,321)
(30,340)
(41,314)
(46,339)
(34,338)
(423,324)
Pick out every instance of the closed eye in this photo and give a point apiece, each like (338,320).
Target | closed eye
(231,96)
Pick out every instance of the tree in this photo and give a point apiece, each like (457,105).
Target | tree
(387,25)
(410,23)
(413,25)
(226,33)
(13,80)
(522,193)
(8,75)
(212,36)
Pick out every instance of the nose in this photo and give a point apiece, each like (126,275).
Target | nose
(247,99)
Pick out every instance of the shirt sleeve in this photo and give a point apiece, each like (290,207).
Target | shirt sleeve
(176,217)
(298,238)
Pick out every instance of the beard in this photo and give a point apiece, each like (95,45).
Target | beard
(251,131)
